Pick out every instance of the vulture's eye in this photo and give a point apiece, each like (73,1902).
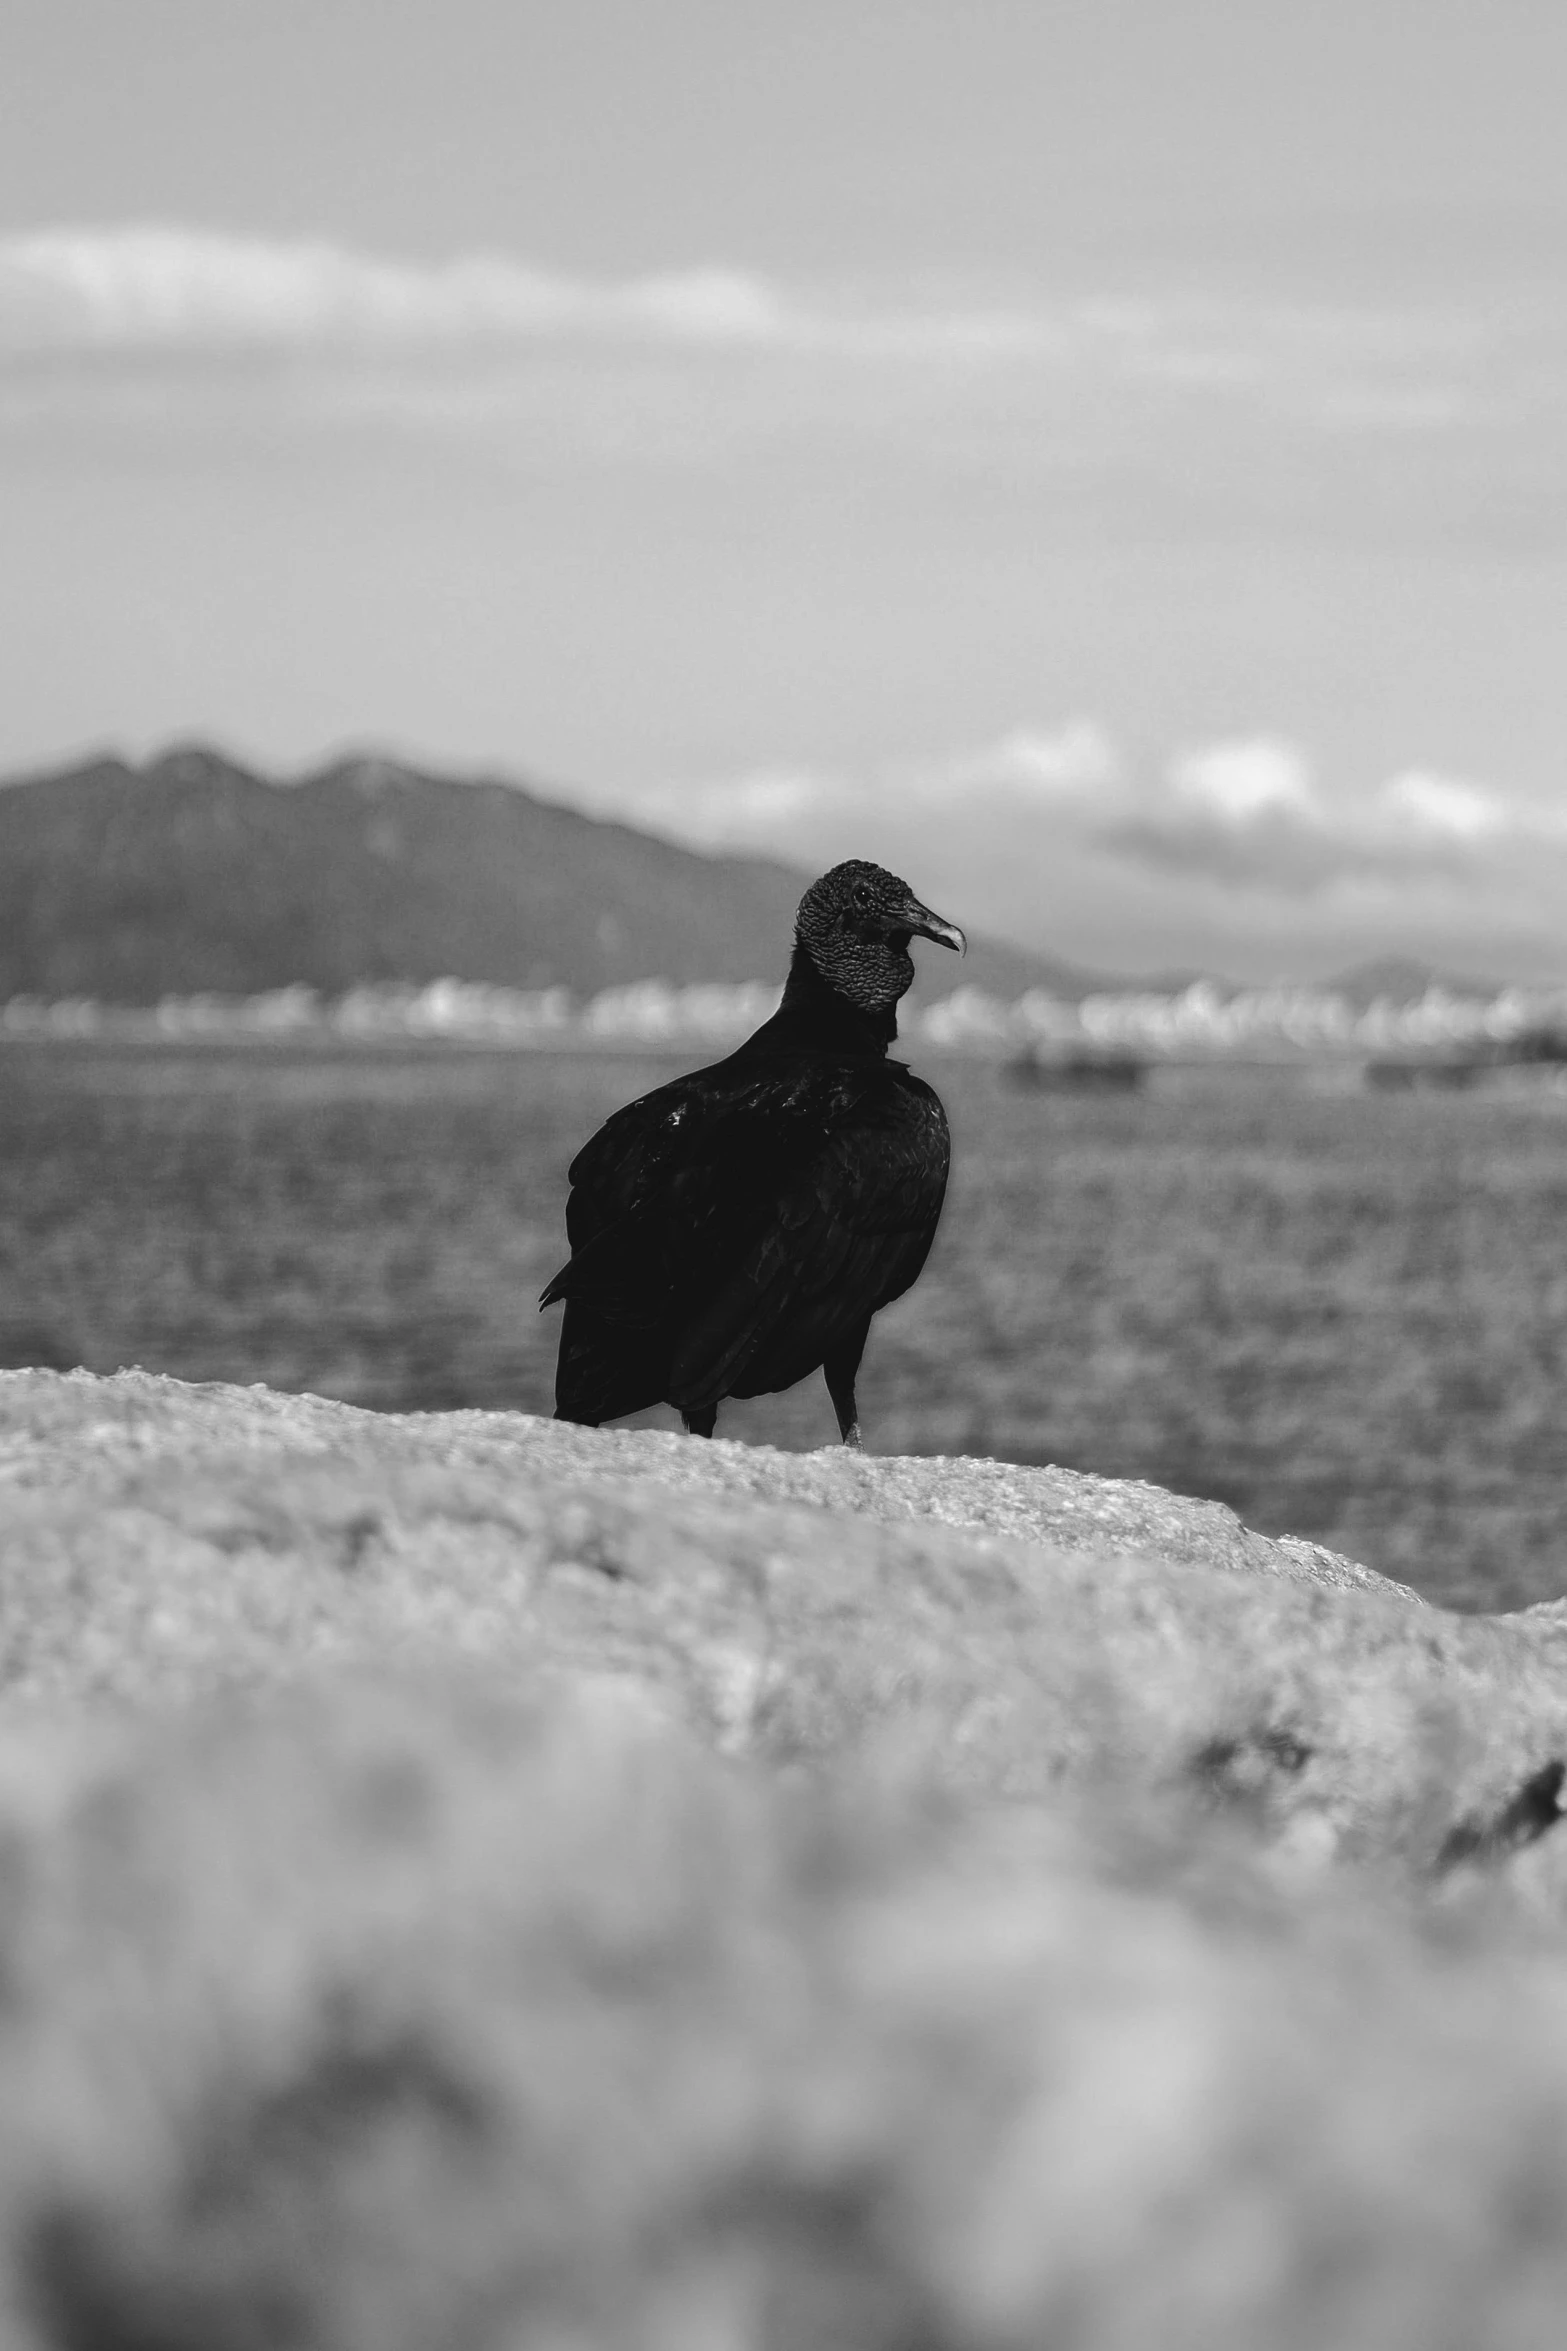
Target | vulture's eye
(861,893)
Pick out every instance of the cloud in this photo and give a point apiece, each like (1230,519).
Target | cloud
(1145,421)
(161,289)
(1022,776)
(1250,813)
(1238,812)
(1232,853)
(1443,807)
(1247,812)
(1246,783)
(1033,765)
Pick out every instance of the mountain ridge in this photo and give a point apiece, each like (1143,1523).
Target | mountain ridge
(194,873)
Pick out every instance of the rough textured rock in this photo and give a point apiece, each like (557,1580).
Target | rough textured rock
(49,1423)
(1028,1625)
(465,1881)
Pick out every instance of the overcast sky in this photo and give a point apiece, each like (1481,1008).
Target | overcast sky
(1109,460)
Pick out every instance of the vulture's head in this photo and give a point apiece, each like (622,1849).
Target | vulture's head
(855,924)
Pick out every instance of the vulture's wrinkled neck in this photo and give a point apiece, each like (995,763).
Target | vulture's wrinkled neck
(815,1018)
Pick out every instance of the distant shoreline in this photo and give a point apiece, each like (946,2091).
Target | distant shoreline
(1036,1032)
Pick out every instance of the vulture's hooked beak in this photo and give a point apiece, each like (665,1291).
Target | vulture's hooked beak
(918,918)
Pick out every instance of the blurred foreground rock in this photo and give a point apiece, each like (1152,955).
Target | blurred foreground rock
(470,1882)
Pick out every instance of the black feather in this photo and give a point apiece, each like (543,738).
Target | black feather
(736,1229)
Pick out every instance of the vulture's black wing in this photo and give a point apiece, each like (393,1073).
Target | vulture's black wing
(731,1228)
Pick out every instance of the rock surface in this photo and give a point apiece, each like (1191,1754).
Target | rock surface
(465,1880)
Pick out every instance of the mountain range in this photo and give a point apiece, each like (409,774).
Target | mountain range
(192,874)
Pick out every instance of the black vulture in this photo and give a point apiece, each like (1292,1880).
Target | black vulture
(734,1230)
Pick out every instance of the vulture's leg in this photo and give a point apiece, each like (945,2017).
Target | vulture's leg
(700,1420)
(841,1369)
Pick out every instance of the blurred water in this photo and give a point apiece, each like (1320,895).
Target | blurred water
(1345,1315)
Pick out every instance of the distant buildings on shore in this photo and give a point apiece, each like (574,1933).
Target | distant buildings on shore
(1195,1022)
